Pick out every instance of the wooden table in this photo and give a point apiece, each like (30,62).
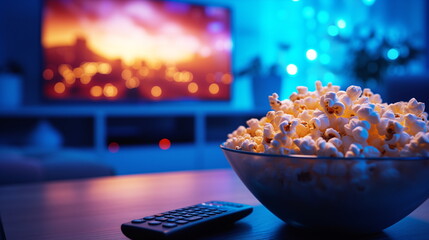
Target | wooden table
(95,208)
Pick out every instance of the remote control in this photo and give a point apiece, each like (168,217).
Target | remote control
(186,221)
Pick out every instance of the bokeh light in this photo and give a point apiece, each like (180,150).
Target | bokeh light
(96,91)
(156,91)
(192,87)
(78,72)
(333,30)
(226,78)
(113,147)
(104,68)
(110,90)
(164,144)
(311,54)
(85,79)
(48,74)
(126,74)
(392,54)
(132,83)
(341,23)
(59,87)
(292,69)
(214,88)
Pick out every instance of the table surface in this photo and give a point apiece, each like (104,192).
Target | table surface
(96,208)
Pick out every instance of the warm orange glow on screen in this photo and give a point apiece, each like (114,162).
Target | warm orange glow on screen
(156,91)
(192,87)
(214,88)
(104,49)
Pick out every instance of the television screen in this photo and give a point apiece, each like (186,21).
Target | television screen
(115,50)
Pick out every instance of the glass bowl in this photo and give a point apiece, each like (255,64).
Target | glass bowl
(348,195)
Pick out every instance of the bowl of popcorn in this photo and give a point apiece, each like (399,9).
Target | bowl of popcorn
(335,160)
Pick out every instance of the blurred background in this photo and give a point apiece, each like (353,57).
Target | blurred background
(109,87)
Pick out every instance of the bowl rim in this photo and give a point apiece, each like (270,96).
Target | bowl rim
(302,156)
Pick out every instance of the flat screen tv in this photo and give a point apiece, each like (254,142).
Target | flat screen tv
(135,50)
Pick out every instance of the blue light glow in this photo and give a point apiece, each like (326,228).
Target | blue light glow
(308,12)
(311,24)
(333,30)
(312,40)
(292,69)
(393,54)
(323,17)
(329,77)
(325,44)
(368,2)
(341,23)
(311,54)
(325,59)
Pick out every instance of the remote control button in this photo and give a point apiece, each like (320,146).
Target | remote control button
(204,215)
(193,218)
(180,217)
(169,225)
(168,216)
(181,221)
(177,214)
(154,222)
(211,213)
(172,220)
(149,218)
(159,215)
(161,219)
(187,215)
(138,221)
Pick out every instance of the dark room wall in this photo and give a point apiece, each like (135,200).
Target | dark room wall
(20,41)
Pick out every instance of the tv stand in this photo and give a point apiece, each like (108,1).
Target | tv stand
(195,132)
